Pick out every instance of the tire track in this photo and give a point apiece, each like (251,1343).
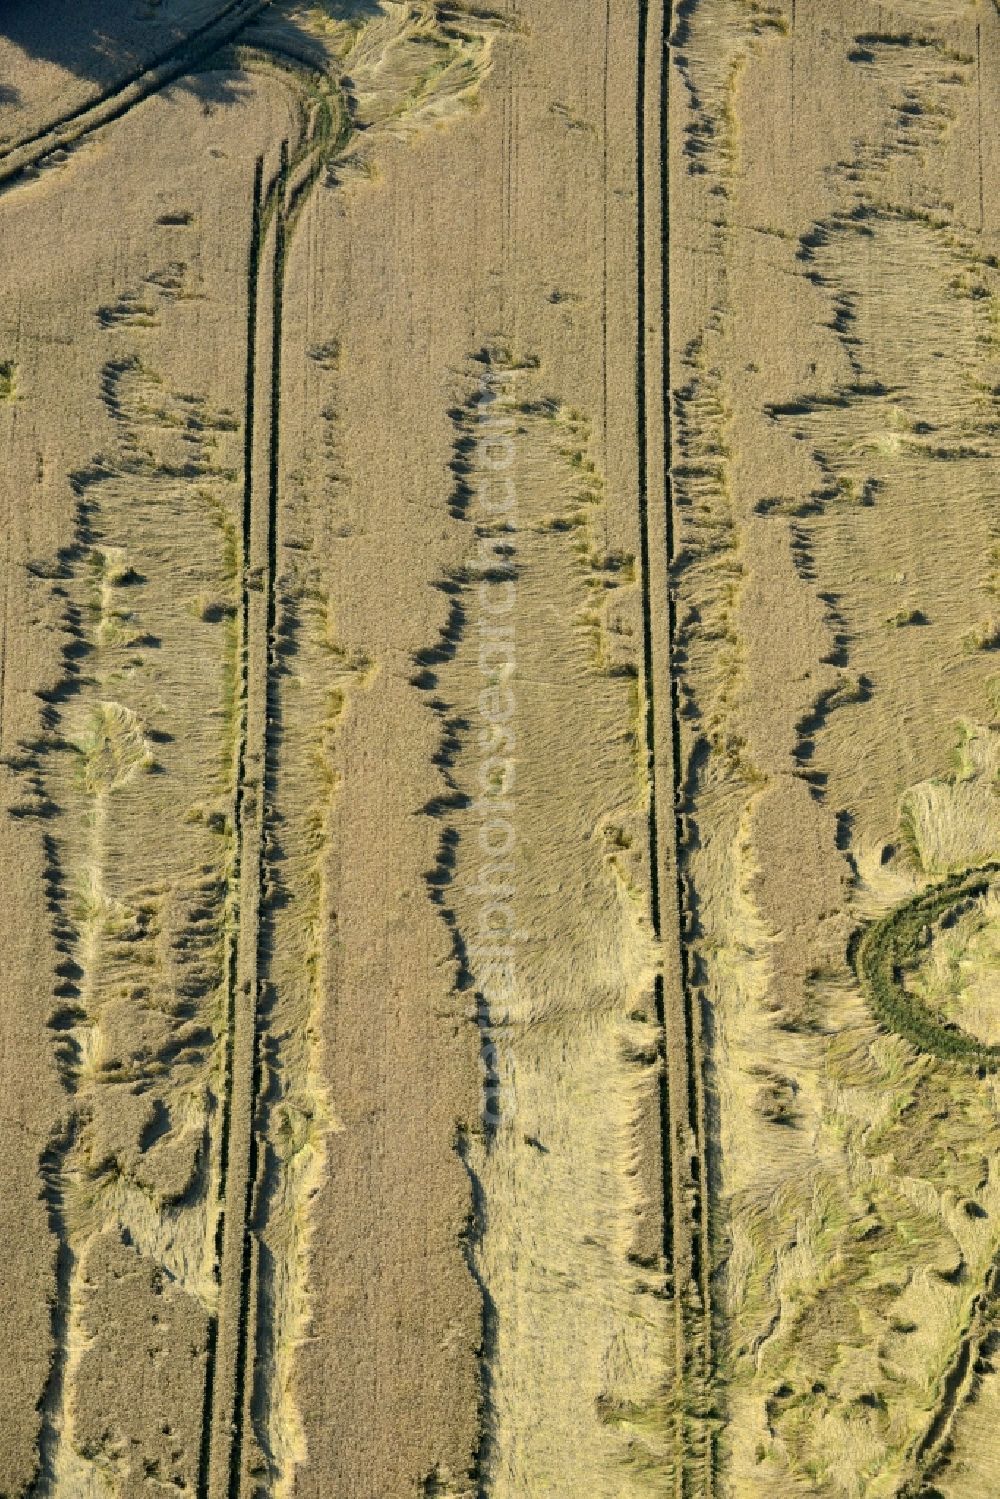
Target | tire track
(686,1244)
(274,211)
(229,1380)
(932,1453)
(233,1336)
(19,160)
(277,205)
(225,1397)
(325,131)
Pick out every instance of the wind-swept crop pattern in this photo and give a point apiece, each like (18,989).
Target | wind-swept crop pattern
(498,749)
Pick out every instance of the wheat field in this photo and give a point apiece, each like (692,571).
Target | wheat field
(500,749)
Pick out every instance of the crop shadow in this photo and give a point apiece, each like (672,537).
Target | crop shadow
(110,41)
(90,39)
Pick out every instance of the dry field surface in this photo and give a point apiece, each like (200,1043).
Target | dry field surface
(500,749)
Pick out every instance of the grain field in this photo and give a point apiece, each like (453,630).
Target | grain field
(500,749)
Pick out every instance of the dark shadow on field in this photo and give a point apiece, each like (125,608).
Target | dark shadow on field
(109,40)
(348,10)
(91,38)
(212,87)
(109,43)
